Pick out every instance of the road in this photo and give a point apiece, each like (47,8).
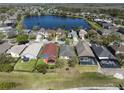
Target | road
(94,88)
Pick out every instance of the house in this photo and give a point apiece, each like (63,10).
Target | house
(6,29)
(32,51)
(104,32)
(117,48)
(16,50)
(43,32)
(66,52)
(4,47)
(38,38)
(49,53)
(75,36)
(61,33)
(11,34)
(82,33)
(105,57)
(85,54)
(121,30)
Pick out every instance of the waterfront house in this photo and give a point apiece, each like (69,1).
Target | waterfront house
(75,36)
(66,52)
(82,34)
(16,50)
(31,52)
(49,53)
(4,46)
(85,54)
(60,33)
(38,38)
(104,24)
(105,57)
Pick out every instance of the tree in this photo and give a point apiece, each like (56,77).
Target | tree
(91,35)
(120,59)
(32,37)
(42,68)
(106,40)
(72,62)
(22,38)
(6,68)
(6,59)
(59,63)
(5,63)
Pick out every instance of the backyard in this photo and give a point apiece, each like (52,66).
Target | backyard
(89,68)
(25,66)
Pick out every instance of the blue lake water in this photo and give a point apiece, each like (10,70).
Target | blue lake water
(51,22)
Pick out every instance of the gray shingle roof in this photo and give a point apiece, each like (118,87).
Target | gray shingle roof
(101,51)
(66,50)
(17,49)
(4,47)
(83,49)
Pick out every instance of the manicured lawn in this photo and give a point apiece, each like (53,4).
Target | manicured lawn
(22,66)
(82,68)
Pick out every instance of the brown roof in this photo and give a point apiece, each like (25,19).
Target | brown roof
(83,49)
(118,47)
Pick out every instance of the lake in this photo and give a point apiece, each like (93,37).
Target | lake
(52,22)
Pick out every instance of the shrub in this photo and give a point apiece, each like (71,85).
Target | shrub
(6,68)
(120,59)
(32,37)
(51,66)
(22,38)
(8,85)
(42,68)
(5,59)
(72,62)
(59,63)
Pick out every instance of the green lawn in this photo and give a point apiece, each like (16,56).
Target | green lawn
(58,80)
(40,61)
(94,25)
(22,66)
(88,68)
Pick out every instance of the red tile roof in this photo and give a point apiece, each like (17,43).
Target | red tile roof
(50,49)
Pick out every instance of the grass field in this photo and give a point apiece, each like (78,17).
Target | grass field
(89,68)
(94,25)
(22,66)
(58,80)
